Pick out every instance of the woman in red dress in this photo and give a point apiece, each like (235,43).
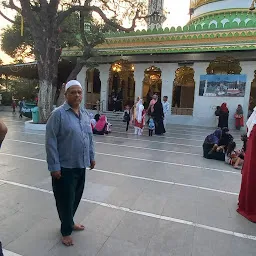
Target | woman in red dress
(247,203)
(239,116)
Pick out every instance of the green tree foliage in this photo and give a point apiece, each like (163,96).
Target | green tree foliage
(19,47)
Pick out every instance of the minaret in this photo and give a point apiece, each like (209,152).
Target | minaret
(156,10)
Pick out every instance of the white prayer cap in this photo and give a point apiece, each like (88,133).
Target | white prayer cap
(72,83)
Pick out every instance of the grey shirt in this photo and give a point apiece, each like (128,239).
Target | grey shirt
(69,139)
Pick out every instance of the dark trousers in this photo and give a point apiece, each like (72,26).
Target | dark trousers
(68,191)
(150,132)
(127,125)
(1,250)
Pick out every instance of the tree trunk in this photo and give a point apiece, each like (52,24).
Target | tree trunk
(45,99)
(47,72)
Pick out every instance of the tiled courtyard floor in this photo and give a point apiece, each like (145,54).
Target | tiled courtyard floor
(147,197)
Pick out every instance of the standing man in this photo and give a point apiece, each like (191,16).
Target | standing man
(69,149)
(166,109)
(3,132)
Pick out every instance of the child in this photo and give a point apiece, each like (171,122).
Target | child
(217,115)
(232,157)
(127,116)
(243,150)
(151,126)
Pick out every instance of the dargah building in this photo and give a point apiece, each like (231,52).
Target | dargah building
(209,61)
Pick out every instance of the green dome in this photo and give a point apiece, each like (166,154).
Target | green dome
(225,19)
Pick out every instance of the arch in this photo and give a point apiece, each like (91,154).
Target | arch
(121,85)
(152,83)
(183,91)
(224,21)
(224,65)
(237,20)
(214,22)
(93,87)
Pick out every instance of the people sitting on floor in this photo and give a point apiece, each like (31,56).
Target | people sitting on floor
(102,126)
(211,142)
(232,156)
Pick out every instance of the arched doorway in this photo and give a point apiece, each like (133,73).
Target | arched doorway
(224,65)
(93,87)
(252,101)
(183,91)
(121,85)
(152,83)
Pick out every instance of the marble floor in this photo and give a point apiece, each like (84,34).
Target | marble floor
(148,196)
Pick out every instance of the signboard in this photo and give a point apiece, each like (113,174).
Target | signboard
(222,85)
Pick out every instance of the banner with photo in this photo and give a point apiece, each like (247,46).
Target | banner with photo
(222,85)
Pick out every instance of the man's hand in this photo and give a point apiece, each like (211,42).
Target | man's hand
(93,163)
(56,175)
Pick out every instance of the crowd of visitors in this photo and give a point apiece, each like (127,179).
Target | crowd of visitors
(155,114)
(222,116)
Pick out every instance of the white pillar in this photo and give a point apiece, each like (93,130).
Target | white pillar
(168,76)
(81,77)
(248,70)
(138,78)
(104,78)
(200,69)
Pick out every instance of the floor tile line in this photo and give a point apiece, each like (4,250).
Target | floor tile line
(124,138)
(169,163)
(166,182)
(144,160)
(118,145)
(199,130)
(146,214)
(143,178)
(166,137)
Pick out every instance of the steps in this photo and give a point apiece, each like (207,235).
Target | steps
(114,116)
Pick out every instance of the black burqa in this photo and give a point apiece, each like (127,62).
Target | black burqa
(158,116)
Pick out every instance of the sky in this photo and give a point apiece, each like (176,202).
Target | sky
(178,16)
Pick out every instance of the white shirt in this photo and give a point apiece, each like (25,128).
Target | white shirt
(166,107)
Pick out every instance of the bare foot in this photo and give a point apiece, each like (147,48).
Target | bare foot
(67,240)
(78,227)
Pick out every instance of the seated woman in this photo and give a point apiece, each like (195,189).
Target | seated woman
(225,139)
(232,156)
(211,142)
(101,126)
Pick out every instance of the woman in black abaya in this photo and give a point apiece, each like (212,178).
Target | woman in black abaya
(158,116)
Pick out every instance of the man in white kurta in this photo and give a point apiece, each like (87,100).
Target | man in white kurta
(166,109)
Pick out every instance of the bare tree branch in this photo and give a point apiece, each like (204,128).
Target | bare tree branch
(7,18)
(12,6)
(98,10)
